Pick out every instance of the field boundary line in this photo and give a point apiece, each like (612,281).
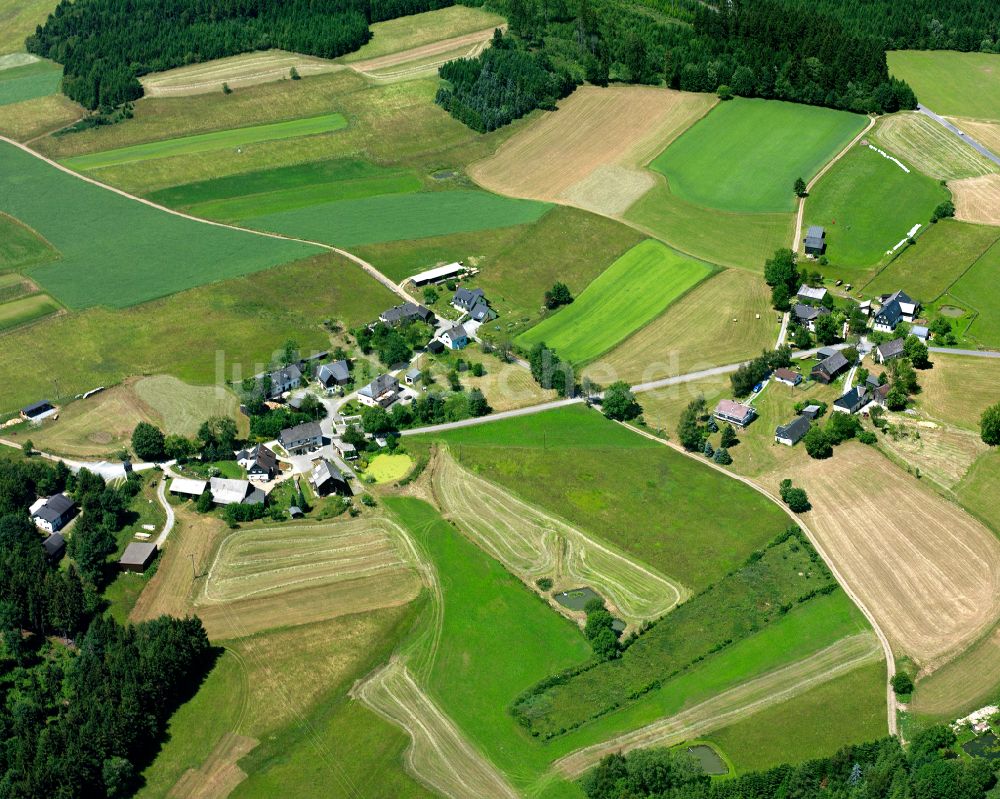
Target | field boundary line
(800,214)
(365,265)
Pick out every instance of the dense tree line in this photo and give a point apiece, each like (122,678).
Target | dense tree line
(106,45)
(928,768)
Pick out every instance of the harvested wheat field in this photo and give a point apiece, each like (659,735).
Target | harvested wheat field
(533,544)
(984,131)
(928,571)
(925,144)
(977,199)
(439,754)
(735,703)
(238,71)
(589,152)
(726,319)
(269,577)
(958,389)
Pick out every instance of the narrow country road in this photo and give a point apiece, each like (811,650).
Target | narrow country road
(923,109)
(161,495)
(973,353)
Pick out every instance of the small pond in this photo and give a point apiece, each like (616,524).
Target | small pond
(708,758)
(951,310)
(577,599)
(986,746)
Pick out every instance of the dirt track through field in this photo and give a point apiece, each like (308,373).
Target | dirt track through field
(734,704)
(446,48)
(532,544)
(928,571)
(219,775)
(977,199)
(439,755)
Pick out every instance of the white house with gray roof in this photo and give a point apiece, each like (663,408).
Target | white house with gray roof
(381,392)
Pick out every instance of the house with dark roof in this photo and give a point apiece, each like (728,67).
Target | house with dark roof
(38,411)
(301,438)
(815,242)
(137,557)
(284,379)
(734,412)
(788,376)
(853,401)
(260,463)
(806,315)
(474,303)
(880,394)
(337,373)
(381,392)
(826,352)
(455,338)
(55,547)
(407,312)
(889,350)
(54,513)
(809,294)
(791,433)
(827,370)
(226,491)
(897,307)
(327,479)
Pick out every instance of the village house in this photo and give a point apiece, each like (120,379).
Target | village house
(853,401)
(224,491)
(815,242)
(806,315)
(896,308)
(407,312)
(791,433)
(381,392)
(38,411)
(734,412)
(260,463)
(337,373)
(455,338)
(809,294)
(787,376)
(889,350)
(827,370)
(301,438)
(327,479)
(55,547)
(284,379)
(52,514)
(921,332)
(473,302)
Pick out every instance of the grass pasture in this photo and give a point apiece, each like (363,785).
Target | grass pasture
(397,217)
(634,290)
(18,20)
(745,155)
(958,389)
(26,309)
(32,118)
(919,140)
(867,204)
(28,82)
(942,254)
(977,289)
(978,489)
(950,83)
(21,247)
(234,138)
(118,252)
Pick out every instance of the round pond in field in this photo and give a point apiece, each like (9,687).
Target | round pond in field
(577,599)
(951,310)
(710,760)
(386,468)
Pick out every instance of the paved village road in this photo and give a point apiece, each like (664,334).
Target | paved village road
(973,353)
(961,134)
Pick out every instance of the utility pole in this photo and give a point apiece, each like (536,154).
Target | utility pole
(194,572)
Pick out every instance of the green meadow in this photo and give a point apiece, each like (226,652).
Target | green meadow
(956,84)
(39,79)
(977,288)
(745,155)
(668,510)
(204,142)
(867,205)
(26,309)
(20,247)
(396,217)
(118,252)
(633,291)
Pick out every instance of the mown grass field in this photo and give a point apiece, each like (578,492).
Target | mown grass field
(977,289)
(118,252)
(633,291)
(397,217)
(26,309)
(956,84)
(21,247)
(18,19)
(625,489)
(745,155)
(740,240)
(867,204)
(919,140)
(720,321)
(39,79)
(236,325)
(979,488)
(942,254)
(32,118)
(205,142)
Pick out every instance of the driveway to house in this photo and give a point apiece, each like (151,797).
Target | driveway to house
(923,109)
(161,495)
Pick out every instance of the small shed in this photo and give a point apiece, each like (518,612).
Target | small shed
(810,411)
(55,547)
(137,557)
(815,243)
(412,377)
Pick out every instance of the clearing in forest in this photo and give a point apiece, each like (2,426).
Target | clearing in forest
(422,61)
(977,199)
(746,154)
(919,140)
(950,83)
(630,293)
(928,571)
(534,544)
(590,152)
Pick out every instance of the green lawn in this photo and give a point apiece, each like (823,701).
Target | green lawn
(496,640)
(957,84)
(20,247)
(634,290)
(867,205)
(118,252)
(977,288)
(205,142)
(26,309)
(395,217)
(28,82)
(745,155)
(659,506)
(939,258)
(744,241)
